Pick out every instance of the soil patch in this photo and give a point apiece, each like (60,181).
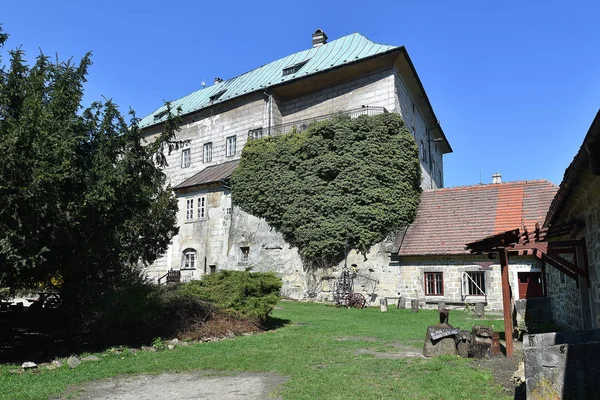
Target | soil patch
(202,385)
(403,352)
(503,368)
(359,338)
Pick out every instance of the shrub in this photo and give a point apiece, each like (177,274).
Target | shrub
(238,293)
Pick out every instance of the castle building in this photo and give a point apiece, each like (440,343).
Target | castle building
(350,75)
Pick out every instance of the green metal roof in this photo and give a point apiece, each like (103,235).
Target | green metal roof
(338,52)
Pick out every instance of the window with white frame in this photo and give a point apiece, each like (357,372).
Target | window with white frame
(473,283)
(434,283)
(189,210)
(185,158)
(201,207)
(230,146)
(207,152)
(189,259)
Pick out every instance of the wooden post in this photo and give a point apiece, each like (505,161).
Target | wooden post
(508,325)
(383,304)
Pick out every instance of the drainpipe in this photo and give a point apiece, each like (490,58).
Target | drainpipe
(270,110)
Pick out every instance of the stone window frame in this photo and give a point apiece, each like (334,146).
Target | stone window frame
(207,152)
(425,273)
(186,158)
(189,259)
(230,146)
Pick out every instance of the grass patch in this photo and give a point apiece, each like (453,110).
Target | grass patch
(309,351)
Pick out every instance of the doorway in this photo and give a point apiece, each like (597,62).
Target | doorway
(530,285)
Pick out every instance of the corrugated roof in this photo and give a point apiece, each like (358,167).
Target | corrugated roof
(210,175)
(449,218)
(338,52)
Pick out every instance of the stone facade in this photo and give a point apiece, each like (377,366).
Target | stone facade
(228,238)
(453,267)
(572,307)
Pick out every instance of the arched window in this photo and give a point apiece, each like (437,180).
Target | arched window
(189,259)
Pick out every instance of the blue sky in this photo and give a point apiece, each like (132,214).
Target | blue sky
(515,84)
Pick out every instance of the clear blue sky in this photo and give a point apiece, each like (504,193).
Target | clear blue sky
(515,84)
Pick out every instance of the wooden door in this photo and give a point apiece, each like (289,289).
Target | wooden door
(530,285)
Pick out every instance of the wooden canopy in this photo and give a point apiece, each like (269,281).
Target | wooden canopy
(535,243)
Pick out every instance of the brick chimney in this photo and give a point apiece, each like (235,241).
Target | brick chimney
(319,38)
(497,177)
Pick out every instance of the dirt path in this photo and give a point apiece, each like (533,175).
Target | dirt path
(184,386)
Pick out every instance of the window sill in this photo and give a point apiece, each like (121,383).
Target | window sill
(188,269)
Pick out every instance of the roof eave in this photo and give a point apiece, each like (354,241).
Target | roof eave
(446,144)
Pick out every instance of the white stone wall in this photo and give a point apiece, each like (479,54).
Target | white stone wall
(220,242)
(216,126)
(375,90)
(432,167)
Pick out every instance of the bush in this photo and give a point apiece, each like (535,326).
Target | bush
(357,179)
(241,294)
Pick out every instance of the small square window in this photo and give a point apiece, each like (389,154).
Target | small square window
(189,210)
(230,146)
(185,158)
(228,211)
(201,207)
(245,253)
(434,283)
(255,133)
(207,152)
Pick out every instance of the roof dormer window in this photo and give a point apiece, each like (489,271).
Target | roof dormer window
(294,68)
(158,117)
(217,95)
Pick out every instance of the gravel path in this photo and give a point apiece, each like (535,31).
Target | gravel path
(184,386)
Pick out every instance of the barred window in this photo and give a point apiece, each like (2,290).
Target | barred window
(434,284)
(474,283)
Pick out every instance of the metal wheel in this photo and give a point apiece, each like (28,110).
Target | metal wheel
(355,300)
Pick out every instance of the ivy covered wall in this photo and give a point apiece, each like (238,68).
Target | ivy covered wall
(342,178)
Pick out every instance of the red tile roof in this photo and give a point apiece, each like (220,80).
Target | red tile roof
(449,218)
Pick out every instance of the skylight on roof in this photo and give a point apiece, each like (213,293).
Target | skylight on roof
(294,68)
(217,95)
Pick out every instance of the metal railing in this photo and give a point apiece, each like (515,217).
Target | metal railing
(303,124)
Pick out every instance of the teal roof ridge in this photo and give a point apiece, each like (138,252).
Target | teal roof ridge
(346,49)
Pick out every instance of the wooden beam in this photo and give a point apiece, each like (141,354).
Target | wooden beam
(508,325)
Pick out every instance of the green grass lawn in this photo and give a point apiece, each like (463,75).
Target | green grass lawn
(307,350)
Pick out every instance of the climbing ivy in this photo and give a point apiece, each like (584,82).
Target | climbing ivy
(357,178)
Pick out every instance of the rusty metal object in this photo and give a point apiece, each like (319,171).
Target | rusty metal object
(355,300)
(495,350)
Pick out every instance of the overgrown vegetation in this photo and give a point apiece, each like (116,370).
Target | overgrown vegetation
(326,352)
(343,178)
(250,295)
(227,300)
(83,201)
